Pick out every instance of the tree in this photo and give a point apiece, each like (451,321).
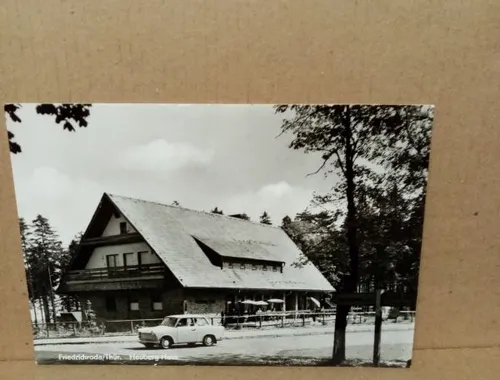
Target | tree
(285,222)
(69,302)
(216,211)
(43,257)
(69,115)
(319,241)
(25,236)
(265,218)
(355,142)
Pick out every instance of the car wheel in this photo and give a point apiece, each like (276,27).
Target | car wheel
(208,340)
(166,342)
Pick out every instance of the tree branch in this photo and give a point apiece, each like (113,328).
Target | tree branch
(299,120)
(320,168)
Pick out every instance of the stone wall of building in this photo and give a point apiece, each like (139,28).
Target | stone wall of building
(204,301)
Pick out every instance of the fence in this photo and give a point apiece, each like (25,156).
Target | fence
(303,318)
(90,329)
(299,318)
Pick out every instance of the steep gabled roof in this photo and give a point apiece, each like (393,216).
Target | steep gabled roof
(172,231)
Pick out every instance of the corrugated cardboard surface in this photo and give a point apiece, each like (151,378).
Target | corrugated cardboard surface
(442,53)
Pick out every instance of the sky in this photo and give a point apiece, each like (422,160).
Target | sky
(201,156)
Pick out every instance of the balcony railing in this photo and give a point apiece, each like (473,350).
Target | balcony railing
(135,271)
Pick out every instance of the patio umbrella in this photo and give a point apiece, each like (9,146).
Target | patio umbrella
(262,303)
(275,300)
(315,301)
(248,302)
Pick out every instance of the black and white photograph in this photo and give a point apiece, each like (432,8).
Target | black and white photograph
(218,234)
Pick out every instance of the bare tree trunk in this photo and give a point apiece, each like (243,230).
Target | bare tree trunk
(46,308)
(339,338)
(351,281)
(51,294)
(40,307)
(35,314)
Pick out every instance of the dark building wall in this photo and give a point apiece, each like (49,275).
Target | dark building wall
(177,301)
(172,302)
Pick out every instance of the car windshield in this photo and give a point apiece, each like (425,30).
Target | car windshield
(168,321)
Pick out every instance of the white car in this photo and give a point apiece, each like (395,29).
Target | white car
(181,329)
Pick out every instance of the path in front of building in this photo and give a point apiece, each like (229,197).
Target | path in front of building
(396,346)
(238,334)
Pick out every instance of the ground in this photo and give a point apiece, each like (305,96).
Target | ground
(284,350)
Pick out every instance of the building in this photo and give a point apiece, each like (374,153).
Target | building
(140,259)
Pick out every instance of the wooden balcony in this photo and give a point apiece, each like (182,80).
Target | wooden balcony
(116,273)
(147,276)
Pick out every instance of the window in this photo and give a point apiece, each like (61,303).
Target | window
(133,305)
(110,304)
(128,259)
(142,257)
(111,261)
(229,264)
(168,321)
(242,266)
(123,227)
(254,267)
(264,267)
(201,322)
(275,268)
(156,302)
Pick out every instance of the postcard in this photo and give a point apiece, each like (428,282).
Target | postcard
(211,234)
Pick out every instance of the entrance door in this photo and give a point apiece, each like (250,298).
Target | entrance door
(111,261)
(142,258)
(229,304)
(128,259)
(111,264)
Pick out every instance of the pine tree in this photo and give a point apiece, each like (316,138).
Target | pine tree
(265,218)
(25,236)
(216,210)
(44,257)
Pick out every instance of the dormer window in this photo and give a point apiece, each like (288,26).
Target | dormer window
(123,228)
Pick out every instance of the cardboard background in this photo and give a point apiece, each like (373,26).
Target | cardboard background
(345,51)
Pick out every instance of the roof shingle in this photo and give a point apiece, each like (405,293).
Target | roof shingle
(171,233)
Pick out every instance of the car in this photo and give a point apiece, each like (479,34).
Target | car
(181,329)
